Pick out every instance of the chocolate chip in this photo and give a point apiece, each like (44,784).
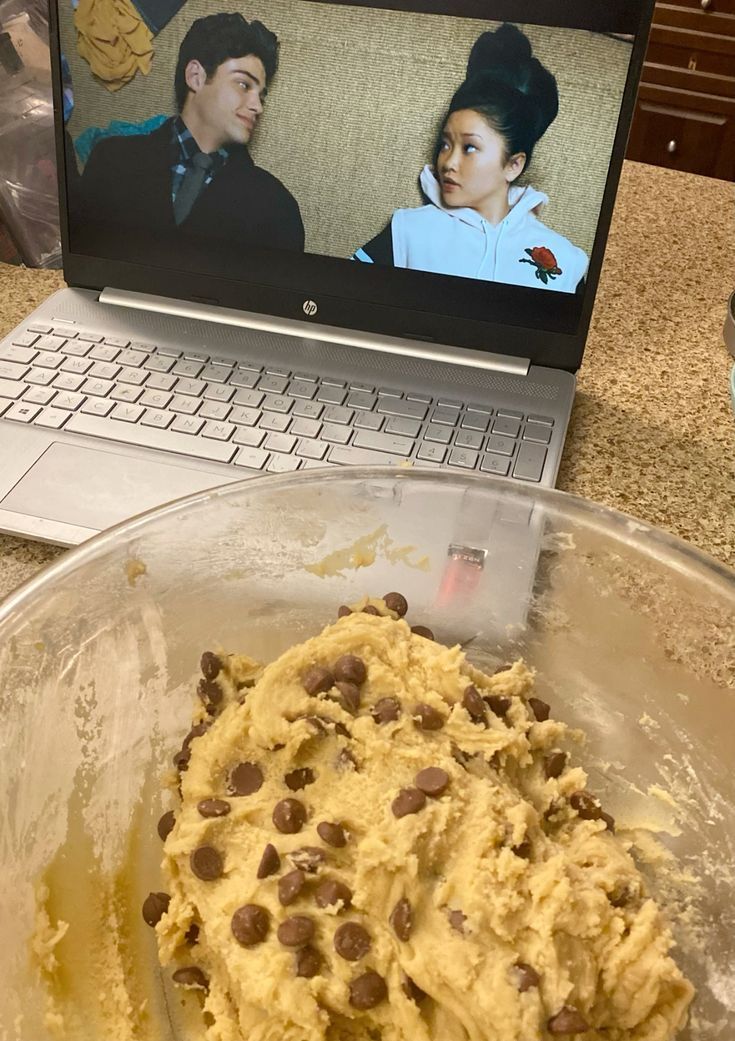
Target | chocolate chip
(331,892)
(609,821)
(270,862)
(290,885)
(300,778)
(422,630)
(210,665)
(246,779)
(367,991)
(352,942)
(386,710)
(502,668)
(401,918)
(317,679)
(191,976)
(289,816)
(408,800)
(332,834)
(525,976)
(586,805)
(308,858)
(296,930)
(181,760)
(196,731)
(213,807)
(498,704)
(350,668)
(155,907)
(206,863)
(370,609)
(540,709)
(308,962)
(412,990)
(210,693)
(349,696)
(554,764)
(523,849)
(165,825)
(432,781)
(396,602)
(474,705)
(346,760)
(343,610)
(426,717)
(621,895)
(568,1021)
(192,934)
(250,924)
(457,920)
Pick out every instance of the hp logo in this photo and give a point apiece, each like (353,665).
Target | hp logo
(309,308)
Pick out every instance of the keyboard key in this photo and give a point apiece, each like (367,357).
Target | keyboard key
(39,395)
(252,398)
(463,457)
(434,432)
(159,363)
(218,392)
(39,328)
(126,394)
(156,380)
(132,376)
(529,462)
(365,388)
(274,421)
(301,389)
(98,407)
(24,339)
(533,418)
(248,436)
(50,343)
(510,412)
(359,399)
(392,392)
(246,416)
(272,384)
(184,403)
(104,370)
(101,388)
(104,353)
(151,398)
(308,409)
(338,414)
(406,427)
(243,378)
(48,360)
(424,398)
(336,434)
(431,453)
(187,424)
(131,359)
(21,355)
(348,455)
(9,370)
(196,356)
(306,376)
(537,432)
(134,433)
(495,464)
(501,445)
(475,421)
(187,368)
(330,381)
(276,402)
(311,449)
(282,464)
(216,373)
(67,381)
(305,428)
(90,337)
(52,417)
(76,348)
(399,407)
(331,395)
(68,400)
(277,370)
(368,421)
(218,431)
(114,341)
(40,377)
(279,443)
(127,412)
(448,402)
(255,458)
(4,405)
(157,417)
(381,442)
(214,410)
(21,412)
(446,416)
(11,388)
(507,426)
(468,439)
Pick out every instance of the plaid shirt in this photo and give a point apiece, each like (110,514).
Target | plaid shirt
(188,148)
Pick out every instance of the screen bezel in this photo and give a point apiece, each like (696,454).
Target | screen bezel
(562,320)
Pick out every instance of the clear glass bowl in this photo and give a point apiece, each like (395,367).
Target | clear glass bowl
(631,632)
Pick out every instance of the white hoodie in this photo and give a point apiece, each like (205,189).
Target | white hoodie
(461,242)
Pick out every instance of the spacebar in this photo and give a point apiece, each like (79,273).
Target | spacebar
(151,437)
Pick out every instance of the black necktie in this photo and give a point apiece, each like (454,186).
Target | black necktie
(191,185)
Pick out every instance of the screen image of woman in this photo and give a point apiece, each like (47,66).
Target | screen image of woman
(478,222)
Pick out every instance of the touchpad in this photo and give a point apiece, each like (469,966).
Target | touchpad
(94,488)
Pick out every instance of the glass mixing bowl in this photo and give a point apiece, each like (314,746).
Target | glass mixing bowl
(632,634)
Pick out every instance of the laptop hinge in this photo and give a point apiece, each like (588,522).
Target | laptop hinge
(202,312)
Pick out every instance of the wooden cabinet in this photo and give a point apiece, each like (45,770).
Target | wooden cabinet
(685,112)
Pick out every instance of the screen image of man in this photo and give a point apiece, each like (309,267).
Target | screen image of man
(193,178)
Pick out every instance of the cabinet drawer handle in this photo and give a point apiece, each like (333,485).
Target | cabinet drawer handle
(705,4)
(671,147)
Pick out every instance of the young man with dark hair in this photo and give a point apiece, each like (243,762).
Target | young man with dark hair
(193,178)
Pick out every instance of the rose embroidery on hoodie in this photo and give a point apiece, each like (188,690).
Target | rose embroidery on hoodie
(544,261)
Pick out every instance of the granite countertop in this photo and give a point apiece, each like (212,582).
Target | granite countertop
(652,432)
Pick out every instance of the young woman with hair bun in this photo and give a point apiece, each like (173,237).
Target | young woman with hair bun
(477,222)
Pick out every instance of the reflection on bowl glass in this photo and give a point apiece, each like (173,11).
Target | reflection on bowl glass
(629,631)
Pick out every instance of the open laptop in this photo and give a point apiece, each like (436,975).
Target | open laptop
(329,291)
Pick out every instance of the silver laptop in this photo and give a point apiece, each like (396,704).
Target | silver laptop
(311,234)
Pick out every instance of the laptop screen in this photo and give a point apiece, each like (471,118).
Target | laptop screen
(420,170)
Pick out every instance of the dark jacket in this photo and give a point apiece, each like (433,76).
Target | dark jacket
(127,181)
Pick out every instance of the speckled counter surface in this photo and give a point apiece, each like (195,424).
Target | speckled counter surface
(652,432)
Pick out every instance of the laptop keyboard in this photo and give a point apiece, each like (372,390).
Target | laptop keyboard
(260,417)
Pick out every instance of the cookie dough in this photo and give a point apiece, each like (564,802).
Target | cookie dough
(377,841)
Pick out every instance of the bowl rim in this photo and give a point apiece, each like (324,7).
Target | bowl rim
(646,538)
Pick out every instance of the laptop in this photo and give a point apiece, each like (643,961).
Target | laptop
(328,245)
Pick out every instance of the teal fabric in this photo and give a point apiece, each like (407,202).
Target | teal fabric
(89,137)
